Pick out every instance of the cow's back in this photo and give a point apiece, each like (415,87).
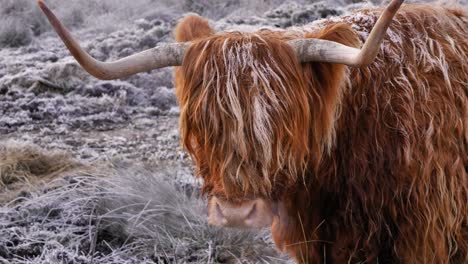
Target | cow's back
(397,177)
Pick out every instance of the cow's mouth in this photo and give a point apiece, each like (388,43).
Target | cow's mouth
(255,213)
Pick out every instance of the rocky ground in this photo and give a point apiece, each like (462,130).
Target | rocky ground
(92,171)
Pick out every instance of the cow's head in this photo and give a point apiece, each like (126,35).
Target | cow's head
(245,113)
(244,119)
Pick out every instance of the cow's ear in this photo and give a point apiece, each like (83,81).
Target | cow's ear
(192,27)
(326,81)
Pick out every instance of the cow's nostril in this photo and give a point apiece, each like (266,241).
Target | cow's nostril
(218,209)
(251,215)
(252,211)
(221,216)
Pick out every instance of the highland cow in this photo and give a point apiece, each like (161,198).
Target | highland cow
(348,137)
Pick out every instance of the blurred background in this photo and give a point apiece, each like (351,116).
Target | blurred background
(21,20)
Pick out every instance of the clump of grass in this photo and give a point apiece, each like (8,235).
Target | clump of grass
(19,162)
(20,21)
(14,32)
(23,167)
(149,212)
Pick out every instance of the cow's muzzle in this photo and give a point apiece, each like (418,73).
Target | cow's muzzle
(248,214)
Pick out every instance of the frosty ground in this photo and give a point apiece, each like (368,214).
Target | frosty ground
(92,171)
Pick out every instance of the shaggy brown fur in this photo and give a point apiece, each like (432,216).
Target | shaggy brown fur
(368,164)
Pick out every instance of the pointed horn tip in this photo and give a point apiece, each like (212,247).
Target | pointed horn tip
(42,5)
(395,5)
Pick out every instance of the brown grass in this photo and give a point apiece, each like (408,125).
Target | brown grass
(24,167)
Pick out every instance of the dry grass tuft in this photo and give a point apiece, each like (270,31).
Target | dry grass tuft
(24,167)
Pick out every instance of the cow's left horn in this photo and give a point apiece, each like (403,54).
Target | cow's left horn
(163,55)
(333,52)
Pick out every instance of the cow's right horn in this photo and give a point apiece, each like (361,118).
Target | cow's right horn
(320,50)
(163,55)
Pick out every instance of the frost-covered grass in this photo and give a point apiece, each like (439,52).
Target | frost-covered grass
(13,33)
(21,20)
(118,214)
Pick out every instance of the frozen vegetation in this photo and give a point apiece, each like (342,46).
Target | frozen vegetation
(92,171)
(109,213)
